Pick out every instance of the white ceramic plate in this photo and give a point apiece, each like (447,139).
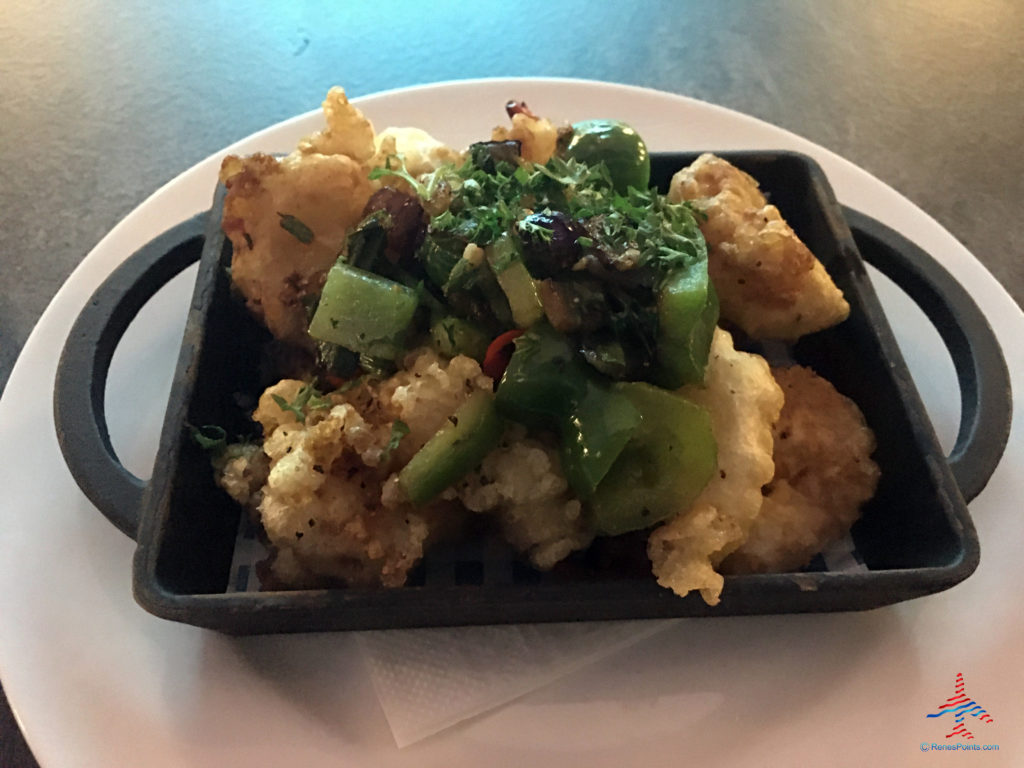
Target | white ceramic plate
(95,681)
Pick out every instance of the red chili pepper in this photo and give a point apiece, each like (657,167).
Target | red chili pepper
(499,353)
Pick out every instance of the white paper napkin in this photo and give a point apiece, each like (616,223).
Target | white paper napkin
(428,680)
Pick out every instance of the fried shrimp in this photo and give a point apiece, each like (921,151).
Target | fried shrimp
(323,485)
(744,401)
(823,474)
(537,135)
(769,283)
(288,218)
(522,484)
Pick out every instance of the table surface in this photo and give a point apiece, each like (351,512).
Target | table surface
(105,102)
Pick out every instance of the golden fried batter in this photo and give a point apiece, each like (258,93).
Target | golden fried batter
(348,132)
(768,282)
(744,401)
(823,474)
(272,267)
(537,136)
(324,485)
(324,184)
(521,483)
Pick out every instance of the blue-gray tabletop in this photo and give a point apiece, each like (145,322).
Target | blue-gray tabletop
(103,102)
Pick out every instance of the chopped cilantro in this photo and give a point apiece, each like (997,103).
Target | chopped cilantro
(210,437)
(536,230)
(426,187)
(305,399)
(296,228)
(399,429)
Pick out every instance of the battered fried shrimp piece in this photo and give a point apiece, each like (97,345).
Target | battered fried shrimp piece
(288,219)
(521,483)
(321,505)
(537,135)
(768,282)
(421,152)
(348,132)
(744,401)
(823,474)
(322,186)
(323,484)
(272,267)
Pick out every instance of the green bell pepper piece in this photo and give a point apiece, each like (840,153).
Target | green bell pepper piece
(548,386)
(664,466)
(364,312)
(687,315)
(453,336)
(544,379)
(594,435)
(458,447)
(515,280)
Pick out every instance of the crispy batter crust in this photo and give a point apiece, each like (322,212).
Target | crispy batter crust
(324,486)
(823,474)
(537,135)
(744,401)
(324,184)
(768,282)
(272,268)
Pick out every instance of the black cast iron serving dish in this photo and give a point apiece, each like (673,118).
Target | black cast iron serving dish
(915,536)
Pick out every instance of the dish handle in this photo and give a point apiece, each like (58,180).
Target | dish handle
(80,385)
(985,398)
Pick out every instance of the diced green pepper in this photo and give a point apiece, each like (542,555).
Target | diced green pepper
(364,312)
(453,336)
(458,447)
(439,254)
(594,435)
(515,280)
(687,315)
(618,146)
(548,386)
(544,379)
(663,467)
(473,292)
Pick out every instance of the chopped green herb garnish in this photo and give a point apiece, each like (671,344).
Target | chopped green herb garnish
(306,398)
(296,228)
(536,230)
(400,172)
(425,187)
(210,437)
(399,429)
